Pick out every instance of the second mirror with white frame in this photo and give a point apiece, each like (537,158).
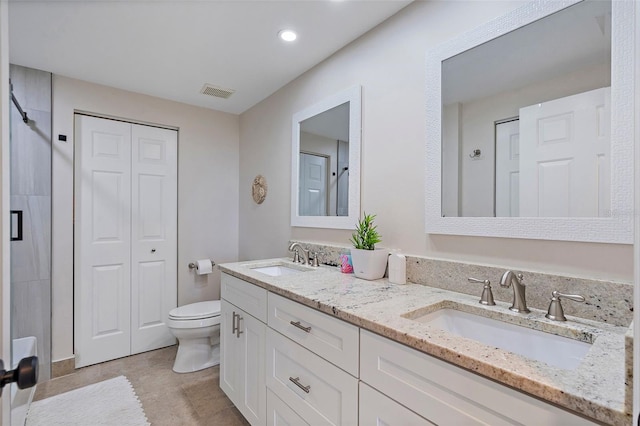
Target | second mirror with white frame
(325,162)
(528,128)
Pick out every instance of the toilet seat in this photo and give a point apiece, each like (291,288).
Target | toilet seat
(196,311)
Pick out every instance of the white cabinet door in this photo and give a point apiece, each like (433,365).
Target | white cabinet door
(242,368)
(154,217)
(229,352)
(102,240)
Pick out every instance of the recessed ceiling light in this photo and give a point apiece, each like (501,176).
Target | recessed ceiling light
(287,35)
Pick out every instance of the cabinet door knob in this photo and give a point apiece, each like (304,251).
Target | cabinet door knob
(153,250)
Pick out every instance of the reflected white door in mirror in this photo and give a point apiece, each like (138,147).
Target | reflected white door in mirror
(543,98)
(325,162)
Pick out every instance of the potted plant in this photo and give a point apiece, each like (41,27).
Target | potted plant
(369,263)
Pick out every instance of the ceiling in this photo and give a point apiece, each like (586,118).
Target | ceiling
(171,48)
(572,39)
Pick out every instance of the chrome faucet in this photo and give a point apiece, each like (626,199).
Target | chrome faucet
(296,257)
(519,304)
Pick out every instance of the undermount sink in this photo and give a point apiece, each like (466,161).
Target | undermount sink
(276,270)
(557,351)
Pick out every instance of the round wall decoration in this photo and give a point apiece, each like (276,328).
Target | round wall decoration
(259,189)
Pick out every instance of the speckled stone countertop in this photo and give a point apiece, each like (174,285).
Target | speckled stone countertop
(596,388)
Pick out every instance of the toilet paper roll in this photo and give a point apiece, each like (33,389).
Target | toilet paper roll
(204,267)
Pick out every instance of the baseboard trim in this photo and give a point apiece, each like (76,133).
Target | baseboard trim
(63,367)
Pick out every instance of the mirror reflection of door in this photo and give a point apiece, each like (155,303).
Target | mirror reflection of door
(324,135)
(565,156)
(342,208)
(313,184)
(508,168)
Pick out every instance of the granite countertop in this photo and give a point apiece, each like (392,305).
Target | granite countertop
(596,388)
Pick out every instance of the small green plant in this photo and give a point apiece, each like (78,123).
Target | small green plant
(366,236)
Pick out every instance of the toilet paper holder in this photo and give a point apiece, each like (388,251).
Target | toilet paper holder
(192,265)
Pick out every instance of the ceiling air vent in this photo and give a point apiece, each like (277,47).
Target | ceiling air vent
(218,92)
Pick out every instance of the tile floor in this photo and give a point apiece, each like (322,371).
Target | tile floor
(168,398)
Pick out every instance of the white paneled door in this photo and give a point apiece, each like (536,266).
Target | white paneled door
(154,234)
(313,185)
(125,279)
(508,169)
(565,156)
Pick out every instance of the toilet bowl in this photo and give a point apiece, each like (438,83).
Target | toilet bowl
(197,328)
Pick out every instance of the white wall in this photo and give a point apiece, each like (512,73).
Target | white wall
(207,189)
(5,284)
(389,63)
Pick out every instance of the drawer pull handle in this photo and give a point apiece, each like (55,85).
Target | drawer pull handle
(296,381)
(300,326)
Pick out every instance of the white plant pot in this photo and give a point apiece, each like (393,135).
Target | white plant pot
(369,264)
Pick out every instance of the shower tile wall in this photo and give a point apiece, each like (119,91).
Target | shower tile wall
(31,193)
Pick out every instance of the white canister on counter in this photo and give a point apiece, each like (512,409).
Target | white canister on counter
(397,268)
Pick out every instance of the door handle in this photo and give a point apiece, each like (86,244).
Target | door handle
(233,322)
(16,225)
(238,332)
(26,375)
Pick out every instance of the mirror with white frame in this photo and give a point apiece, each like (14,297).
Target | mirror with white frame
(325,162)
(528,134)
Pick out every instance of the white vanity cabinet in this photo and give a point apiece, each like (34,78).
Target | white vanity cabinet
(284,363)
(242,347)
(448,395)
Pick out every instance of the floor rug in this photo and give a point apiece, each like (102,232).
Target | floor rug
(112,402)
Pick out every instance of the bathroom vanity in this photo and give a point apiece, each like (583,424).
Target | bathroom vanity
(304,345)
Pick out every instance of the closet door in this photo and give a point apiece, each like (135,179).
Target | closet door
(153,236)
(102,240)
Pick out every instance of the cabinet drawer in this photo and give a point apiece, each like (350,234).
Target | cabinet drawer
(331,338)
(330,396)
(280,414)
(246,296)
(377,409)
(446,394)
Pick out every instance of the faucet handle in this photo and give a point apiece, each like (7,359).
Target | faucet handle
(555,311)
(313,259)
(296,256)
(487,294)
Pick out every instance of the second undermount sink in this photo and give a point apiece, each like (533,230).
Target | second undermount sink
(276,270)
(557,351)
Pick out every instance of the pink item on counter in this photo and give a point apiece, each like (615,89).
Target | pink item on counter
(346,267)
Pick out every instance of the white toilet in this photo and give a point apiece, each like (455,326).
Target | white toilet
(197,328)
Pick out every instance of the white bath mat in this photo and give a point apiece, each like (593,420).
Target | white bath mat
(112,402)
